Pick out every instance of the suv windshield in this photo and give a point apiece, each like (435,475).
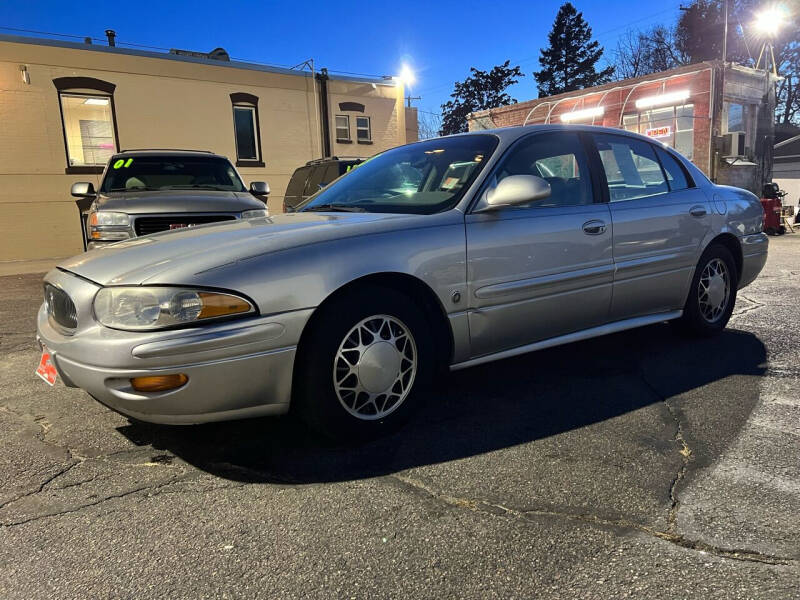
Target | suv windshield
(423,178)
(132,173)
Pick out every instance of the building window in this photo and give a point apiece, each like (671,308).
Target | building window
(88,129)
(88,121)
(672,125)
(343,128)
(739,117)
(363,130)
(246,130)
(244,121)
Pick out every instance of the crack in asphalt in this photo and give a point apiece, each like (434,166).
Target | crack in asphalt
(480,505)
(685,452)
(670,535)
(43,485)
(76,509)
(746,309)
(153,490)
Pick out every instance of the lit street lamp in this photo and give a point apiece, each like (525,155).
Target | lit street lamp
(768,23)
(771,19)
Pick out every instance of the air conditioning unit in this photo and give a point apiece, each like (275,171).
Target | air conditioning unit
(733,144)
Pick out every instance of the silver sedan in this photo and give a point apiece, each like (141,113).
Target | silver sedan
(445,253)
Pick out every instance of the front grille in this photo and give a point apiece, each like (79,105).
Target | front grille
(60,307)
(148,225)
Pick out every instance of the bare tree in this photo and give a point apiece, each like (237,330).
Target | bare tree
(643,52)
(630,55)
(429,124)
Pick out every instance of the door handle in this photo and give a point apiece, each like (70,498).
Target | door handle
(698,211)
(594,227)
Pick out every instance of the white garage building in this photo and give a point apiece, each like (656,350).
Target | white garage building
(786,170)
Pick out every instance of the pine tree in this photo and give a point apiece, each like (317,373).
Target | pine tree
(569,63)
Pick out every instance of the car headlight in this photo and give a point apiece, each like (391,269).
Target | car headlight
(254,214)
(109,226)
(144,308)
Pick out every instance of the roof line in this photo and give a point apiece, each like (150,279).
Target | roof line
(233,64)
(790,140)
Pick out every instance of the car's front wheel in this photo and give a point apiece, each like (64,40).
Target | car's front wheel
(712,294)
(365,365)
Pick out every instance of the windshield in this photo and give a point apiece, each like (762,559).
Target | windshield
(423,178)
(132,173)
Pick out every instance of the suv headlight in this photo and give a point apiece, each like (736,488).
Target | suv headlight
(144,308)
(109,226)
(254,214)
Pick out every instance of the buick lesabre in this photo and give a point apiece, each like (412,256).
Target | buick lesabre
(445,253)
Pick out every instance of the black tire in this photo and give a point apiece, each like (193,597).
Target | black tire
(698,318)
(315,399)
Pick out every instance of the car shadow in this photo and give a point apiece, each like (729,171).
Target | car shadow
(493,406)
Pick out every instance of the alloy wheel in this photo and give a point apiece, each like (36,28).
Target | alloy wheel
(374,367)
(714,290)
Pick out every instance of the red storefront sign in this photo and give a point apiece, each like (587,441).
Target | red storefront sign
(659,132)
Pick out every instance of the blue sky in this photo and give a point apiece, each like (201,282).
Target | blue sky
(441,40)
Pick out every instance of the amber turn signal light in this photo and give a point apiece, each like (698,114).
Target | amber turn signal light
(219,305)
(158,383)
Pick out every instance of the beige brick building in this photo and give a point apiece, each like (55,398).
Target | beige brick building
(66,107)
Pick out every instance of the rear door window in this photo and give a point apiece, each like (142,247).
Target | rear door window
(331,173)
(675,174)
(631,167)
(297,183)
(315,180)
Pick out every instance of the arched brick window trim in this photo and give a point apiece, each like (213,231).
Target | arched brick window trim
(244,98)
(351,107)
(84,83)
(65,84)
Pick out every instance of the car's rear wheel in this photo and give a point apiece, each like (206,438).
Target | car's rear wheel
(712,294)
(365,365)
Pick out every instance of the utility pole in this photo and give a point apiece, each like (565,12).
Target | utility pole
(725,34)
(410,98)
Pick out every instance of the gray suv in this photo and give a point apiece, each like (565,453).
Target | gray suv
(149,191)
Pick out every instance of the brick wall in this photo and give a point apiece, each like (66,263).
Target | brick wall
(617,98)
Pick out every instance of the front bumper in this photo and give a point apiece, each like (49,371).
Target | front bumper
(236,369)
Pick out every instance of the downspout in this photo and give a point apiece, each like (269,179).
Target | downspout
(325,132)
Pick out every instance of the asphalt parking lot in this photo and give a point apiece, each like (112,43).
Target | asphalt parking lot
(639,465)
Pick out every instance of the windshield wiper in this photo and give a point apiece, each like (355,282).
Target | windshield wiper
(135,189)
(198,186)
(334,208)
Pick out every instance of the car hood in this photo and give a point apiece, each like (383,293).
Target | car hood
(176,256)
(177,201)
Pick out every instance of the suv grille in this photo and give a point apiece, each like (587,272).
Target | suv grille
(148,225)
(60,307)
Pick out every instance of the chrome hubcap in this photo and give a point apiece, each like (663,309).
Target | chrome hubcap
(714,290)
(375,367)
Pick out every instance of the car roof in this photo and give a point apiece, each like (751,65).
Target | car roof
(508,134)
(333,159)
(167,152)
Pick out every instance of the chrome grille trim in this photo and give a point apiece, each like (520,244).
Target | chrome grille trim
(147,224)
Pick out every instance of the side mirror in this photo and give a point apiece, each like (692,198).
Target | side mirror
(259,188)
(83,189)
(515,190)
